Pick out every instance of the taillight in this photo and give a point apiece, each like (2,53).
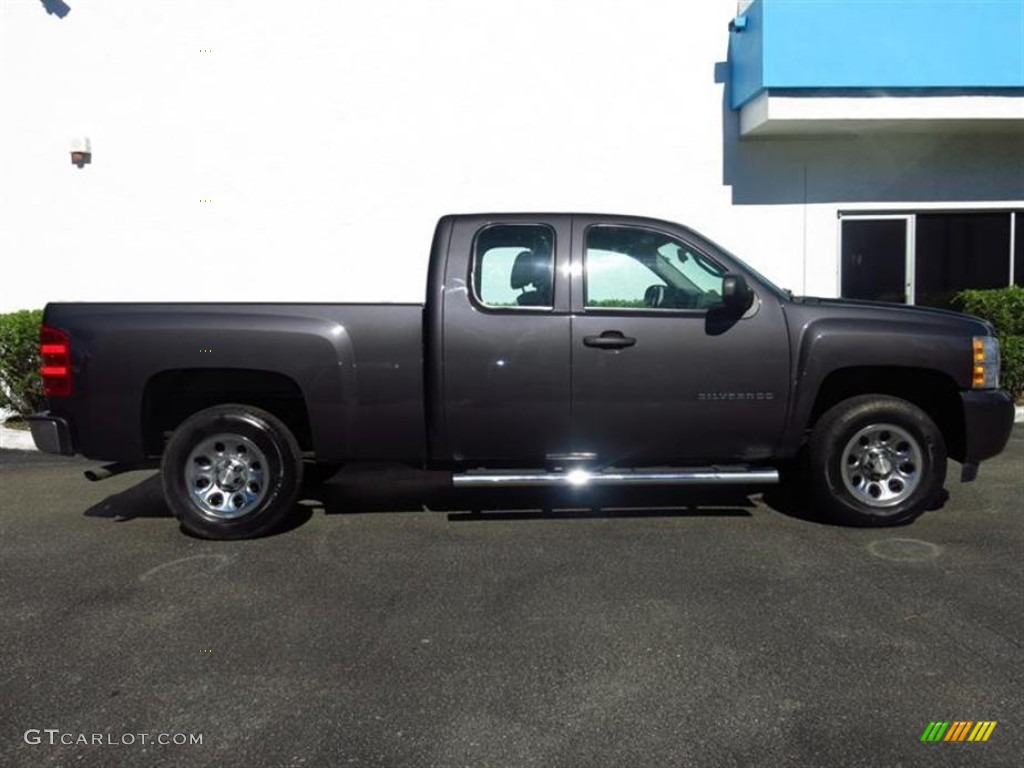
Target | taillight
(55,352)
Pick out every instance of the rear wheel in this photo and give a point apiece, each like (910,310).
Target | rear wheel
(231,472)
(876,460)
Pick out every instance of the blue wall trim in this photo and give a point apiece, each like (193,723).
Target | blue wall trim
(884,44)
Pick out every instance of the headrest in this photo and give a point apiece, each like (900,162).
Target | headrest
(530,268)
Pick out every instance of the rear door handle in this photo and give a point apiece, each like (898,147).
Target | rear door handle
(609,340)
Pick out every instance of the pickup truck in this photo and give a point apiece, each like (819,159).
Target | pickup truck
(552,349)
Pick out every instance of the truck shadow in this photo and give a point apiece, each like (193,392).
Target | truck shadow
(144,499)
(786,501)
(403,490)
(783,499)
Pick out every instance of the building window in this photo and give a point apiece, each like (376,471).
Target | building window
(957,251)
(927,258)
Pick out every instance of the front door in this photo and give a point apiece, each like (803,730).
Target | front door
(660,371)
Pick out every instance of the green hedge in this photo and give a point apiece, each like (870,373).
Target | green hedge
(1004,308)
(1013,365)
(21,388)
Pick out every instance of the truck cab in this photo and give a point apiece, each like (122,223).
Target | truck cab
(611,339)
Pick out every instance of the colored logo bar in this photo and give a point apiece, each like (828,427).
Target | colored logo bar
(958,730)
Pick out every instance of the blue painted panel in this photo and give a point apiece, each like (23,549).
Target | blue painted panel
(959,44)
(746,58)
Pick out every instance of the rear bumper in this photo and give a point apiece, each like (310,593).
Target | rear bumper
(988,422)
(51,434)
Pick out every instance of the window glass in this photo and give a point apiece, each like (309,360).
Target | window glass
(874,259)
(631,268)
(617,280)
(514,266)
(957,251)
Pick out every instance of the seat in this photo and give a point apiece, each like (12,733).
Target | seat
(532,270)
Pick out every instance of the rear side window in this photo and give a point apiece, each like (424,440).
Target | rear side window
(514,266)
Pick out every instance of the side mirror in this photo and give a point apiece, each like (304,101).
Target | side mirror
(736,294)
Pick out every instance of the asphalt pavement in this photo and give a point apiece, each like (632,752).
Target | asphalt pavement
(633,630)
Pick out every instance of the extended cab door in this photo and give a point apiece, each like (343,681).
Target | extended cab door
(506,342)
(660,372)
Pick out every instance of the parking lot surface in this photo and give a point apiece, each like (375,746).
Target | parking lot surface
(631,631)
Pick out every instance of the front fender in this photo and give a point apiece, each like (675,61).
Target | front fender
(828,346)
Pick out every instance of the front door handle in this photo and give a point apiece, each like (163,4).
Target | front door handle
(609,340)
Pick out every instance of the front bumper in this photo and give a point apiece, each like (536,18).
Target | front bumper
(988,422)
(51,434)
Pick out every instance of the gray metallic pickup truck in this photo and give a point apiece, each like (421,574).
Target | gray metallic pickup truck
(576,350)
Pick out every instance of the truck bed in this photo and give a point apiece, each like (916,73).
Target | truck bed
(357,367)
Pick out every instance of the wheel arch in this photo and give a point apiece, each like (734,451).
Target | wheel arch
(171,396)
(932,391)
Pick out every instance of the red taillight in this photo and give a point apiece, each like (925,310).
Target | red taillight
(55,351)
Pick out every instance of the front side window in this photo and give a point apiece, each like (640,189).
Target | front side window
(632,268)
(514,266)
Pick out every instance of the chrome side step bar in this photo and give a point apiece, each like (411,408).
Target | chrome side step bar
(577,478)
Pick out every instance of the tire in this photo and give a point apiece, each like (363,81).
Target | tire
(231,472)
(876,460)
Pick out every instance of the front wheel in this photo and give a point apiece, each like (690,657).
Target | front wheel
(231,472)
(876,460)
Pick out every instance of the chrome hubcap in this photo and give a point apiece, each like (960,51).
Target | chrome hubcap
(881,465)
(226,475)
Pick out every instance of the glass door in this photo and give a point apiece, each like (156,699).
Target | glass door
(877,261)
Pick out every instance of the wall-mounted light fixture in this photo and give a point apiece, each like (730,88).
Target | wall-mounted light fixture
(81,151)
(738,24)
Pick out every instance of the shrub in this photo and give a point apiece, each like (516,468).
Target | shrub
(1012,348)
(21,387)
(1004,308)
(618,303)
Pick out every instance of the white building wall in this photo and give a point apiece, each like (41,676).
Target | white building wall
(329,137)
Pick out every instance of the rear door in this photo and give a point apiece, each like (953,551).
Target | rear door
(660,372)
(506,340)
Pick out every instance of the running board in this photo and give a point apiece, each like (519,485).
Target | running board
(578,478)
